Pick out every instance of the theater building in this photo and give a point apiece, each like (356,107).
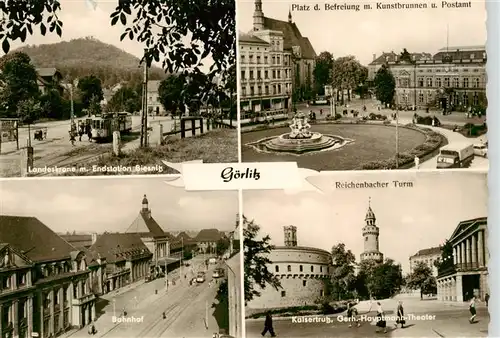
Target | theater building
(302,271)
(468,275)
(45,290)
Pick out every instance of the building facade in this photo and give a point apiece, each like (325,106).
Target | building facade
(127,258)
(452,79)
(302,271)
(45,289)
(370,236)
(235,302)
(265,75)
(468,276)
(428,257)
(207,239)
(152,235)
(49,79)
(153,98)
(302,53)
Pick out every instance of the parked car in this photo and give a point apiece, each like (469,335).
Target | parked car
(200,278)
(481,150)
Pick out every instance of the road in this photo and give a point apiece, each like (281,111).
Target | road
(186,307)
(449,321)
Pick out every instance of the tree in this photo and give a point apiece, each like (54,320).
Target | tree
(125,99)
(422,278)
(323,72)
(52,104)
(94,107)
(256,260)
(170,93)
(445,262)
(222,246)
(347,74)
(385,85)
(379,280)
(89,87)
(343,276)
(28,111)
(19,81)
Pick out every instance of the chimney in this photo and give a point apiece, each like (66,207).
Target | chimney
(290,235)
(94,238)
(374,57)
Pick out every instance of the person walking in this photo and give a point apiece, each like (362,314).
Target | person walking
(472,309)
(487,299)
(268,326)
(381,323)
(400,312)
(351,315)
(417,162)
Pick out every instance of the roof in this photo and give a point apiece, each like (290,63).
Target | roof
(249,38)
(454,145)
(184,236)
(291,36)
(208,235)
(464,225)
(427,252)
(301,248)
(461,53)
(116,247)
(47,72)
(78,241)
(146,224)
(393,57)
(153,85)
(369,214)
(33,238)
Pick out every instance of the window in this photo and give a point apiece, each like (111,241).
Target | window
(421,98)
(56,297)
(243,75)
(366,238)
(259,75)
(283,293)
(243,59)
(265,60)
(75,291)
(475,84)
(250,57)
(429,82)
(289,268)
(266,74)
(420,82)
(278,60)
(22,309)
(244,91)
(304,283)
(277,268)
(466,82)
(321,293)
(455,82)
(446,81)
(258,59)
(274,74)
(251,75)
(301,268)
(274,60)
(6,315)
(279,89)
(267,90)
(320,269)
(252,91)
(312,268)
(475,99)
(438,82)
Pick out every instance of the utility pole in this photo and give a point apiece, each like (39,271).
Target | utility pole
(397,139)
(144,115)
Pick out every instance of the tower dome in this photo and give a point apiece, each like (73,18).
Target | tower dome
(145,200)
(370,215)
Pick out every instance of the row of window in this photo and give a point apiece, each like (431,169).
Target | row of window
(301,268)
(258,59)
(465,70)
(6,281)
(276,74)
(266,90)
(457,100)
(321,292)
(439,82)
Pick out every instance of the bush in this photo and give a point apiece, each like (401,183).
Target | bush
(327,309)
(337,116)
(377,117)
(475,130)
(427,120)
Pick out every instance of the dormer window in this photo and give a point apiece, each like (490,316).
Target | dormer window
(472,56)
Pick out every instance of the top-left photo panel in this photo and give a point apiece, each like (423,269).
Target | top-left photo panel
(92,88)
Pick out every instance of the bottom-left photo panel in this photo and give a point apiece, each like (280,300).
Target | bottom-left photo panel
(118,257)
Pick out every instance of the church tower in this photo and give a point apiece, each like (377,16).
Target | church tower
(290,16)
(290,235)
(145,208)
(258,16)
(370,235)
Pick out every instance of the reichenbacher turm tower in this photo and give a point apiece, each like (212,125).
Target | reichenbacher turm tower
(370,235)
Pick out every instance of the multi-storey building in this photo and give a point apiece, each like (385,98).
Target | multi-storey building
(428,257)
(153,98)
(44,289)
(152,235)
(300,49)
(467,275)
(265,75)
(453,79)
(127,258)
(207,239)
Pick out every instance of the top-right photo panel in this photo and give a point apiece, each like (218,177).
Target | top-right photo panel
(367,85)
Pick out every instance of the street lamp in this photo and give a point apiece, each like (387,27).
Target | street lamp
(397,139)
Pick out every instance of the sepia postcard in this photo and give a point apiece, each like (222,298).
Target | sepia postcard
(401,254)
(93,87)
(115,257)
(363,85)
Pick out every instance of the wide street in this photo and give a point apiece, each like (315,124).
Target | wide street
(188,309)
(451,320)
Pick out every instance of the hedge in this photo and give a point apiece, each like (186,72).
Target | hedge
(433,142)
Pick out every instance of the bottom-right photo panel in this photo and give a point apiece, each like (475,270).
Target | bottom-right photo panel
(397,254)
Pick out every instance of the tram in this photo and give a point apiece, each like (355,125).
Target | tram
(104,125)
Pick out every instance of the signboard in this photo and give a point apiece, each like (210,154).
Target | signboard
(8,130)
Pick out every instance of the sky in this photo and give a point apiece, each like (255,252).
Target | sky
(82,20)
(112,204)
(409,219)
(364,33)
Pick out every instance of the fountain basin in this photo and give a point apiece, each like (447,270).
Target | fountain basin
(298,146)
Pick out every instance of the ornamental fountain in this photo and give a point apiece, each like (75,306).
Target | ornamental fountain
(300,139)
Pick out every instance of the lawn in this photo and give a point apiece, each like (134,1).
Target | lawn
(371,142)
(216,146)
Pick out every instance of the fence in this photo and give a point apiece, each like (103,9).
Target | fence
(193,124)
